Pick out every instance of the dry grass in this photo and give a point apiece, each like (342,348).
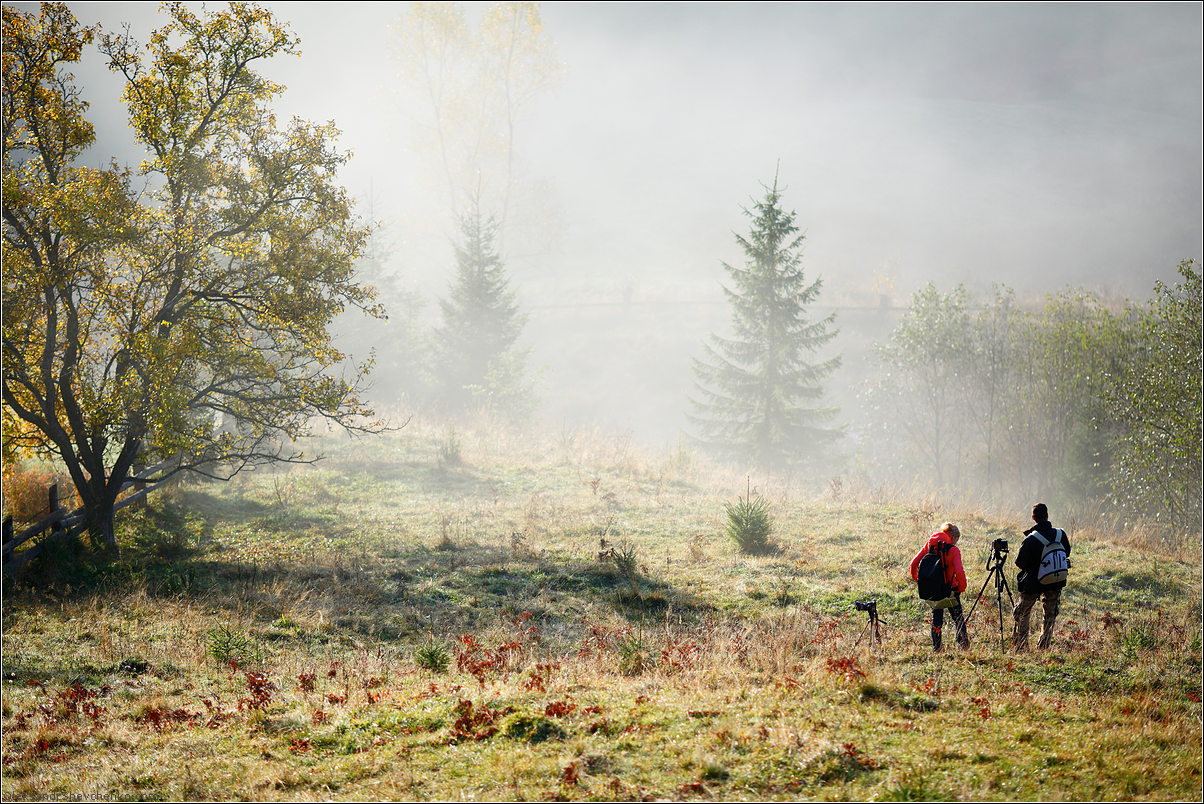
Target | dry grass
(702,673)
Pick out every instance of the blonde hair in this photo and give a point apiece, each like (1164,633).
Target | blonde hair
(951,529)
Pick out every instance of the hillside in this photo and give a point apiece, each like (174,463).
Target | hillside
(429,615)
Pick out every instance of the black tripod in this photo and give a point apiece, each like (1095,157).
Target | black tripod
(871,628)
(999,553)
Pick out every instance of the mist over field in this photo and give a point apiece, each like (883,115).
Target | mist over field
(701,318)
(1037,146)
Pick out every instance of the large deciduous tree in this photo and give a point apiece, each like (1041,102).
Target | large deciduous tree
(1158,398)
(1064,354)
(474,83)
(990,382)
(760,391)
(188,318)
(1076,400)
(920,396)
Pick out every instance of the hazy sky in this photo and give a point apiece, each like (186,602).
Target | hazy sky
(1035,145)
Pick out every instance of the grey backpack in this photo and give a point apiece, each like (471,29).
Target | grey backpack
(1055,564)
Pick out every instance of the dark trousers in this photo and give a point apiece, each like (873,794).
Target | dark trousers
(959,621)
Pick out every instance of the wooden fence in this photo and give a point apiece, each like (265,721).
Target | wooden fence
(61,524)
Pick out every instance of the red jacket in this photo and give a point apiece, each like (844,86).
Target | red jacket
(955,575)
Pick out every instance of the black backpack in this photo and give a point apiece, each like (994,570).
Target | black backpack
(930,575)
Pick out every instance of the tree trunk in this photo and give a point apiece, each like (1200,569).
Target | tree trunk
(99,518)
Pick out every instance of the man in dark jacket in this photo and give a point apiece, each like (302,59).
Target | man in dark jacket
(1029,583)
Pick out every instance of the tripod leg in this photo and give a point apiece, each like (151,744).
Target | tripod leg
(979,597)
(1002,647)
(1001,584)
(1011,602)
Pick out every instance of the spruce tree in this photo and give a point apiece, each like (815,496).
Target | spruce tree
(479,364)
(759,395)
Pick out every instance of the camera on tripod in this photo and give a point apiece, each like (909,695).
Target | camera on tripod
(995,564)
(867,605)
(870,607)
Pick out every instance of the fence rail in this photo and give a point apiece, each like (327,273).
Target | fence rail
(61,524)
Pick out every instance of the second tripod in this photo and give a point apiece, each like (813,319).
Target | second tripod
(999,552)
(870,607)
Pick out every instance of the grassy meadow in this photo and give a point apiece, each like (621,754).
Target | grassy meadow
(431,615)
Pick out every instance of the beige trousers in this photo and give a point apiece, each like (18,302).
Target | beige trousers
(1049,602)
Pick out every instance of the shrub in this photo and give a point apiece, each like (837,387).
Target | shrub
(1141,637)
(449,449)
(749,524)
(623,556)
(911,784)
(635,654)
(227,646)
(433,656)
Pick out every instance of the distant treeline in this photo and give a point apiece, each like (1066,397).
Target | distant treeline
(1077,402)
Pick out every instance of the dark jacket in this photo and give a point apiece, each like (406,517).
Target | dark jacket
(1028,558)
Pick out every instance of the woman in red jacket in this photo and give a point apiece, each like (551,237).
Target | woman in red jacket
(955,577)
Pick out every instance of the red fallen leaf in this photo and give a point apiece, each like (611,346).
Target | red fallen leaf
(847,666)
(559,708)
